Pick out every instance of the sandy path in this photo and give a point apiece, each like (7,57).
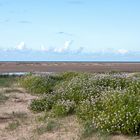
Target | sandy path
(16,106)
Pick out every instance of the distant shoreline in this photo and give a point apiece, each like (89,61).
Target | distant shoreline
(68,66)
(69,61)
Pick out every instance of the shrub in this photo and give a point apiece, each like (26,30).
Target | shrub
(67,76)
(115,112)
(84,111)
(114,81)
(38,84)
(63,108)
(103,102)
(43,104)
(78,88)
(134,86)
(86,86)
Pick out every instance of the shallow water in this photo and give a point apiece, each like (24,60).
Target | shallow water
(25,73)
(14,73)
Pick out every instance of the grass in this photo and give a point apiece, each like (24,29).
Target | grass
(17,118)
(19,115)
(3,98)
(13,125)
(7,81)
(50,126)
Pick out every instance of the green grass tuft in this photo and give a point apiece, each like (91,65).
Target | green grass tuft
(3,98)
(13,125)
(7,81)
(49,127)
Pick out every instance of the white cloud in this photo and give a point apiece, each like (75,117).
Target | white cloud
(67,44)
(43,48)
(21,46)
(122,51)
(112,51)
(64,48)
(58,50)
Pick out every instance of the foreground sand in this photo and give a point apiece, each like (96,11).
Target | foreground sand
(69,66)
(16,108)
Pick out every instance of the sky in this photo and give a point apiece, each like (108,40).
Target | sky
(69,30)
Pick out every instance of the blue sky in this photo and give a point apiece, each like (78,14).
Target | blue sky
(57,30)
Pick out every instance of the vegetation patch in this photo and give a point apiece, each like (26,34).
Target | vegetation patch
(7,81)
(43,103)
(50,126)
(63,108)
(19,115)
(3,98)
(38,84)
(13,125)
(105,102)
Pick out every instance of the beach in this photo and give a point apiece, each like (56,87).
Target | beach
(68,66)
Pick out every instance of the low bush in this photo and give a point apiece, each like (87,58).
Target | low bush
(78,88)
(114,112)
(67,76)
(63,108)
(114,81)
(43,104)
(38,84)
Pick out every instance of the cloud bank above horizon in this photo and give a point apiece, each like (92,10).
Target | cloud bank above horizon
(66,48)
(65,53)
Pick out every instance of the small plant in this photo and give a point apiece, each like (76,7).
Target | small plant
(49,127)
(13,125)
(43,104)
(3,98)
(19,115)
(88,130)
